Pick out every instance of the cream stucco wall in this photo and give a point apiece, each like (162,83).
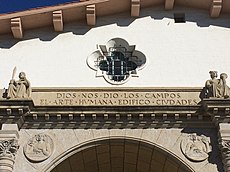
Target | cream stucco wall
(178,54)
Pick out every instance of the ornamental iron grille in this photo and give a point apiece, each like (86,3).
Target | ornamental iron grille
(116,61)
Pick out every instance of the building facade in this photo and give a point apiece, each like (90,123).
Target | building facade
(116,86)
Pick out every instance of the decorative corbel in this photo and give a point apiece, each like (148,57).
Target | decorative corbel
(215,8)
(169,4)
(58,21)
(16,28)
(135,8)
(91,15)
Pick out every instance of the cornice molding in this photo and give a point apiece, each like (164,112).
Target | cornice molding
(50,9)
(218,109)
(28,114)
(74,11)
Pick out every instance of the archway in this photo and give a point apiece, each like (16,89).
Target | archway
(119,155)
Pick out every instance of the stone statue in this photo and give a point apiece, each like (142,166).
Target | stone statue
(20,88)
(217,87)
(225,90)
(212,85)
(196,148)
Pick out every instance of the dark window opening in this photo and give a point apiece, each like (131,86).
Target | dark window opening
(117,66)
(179,17)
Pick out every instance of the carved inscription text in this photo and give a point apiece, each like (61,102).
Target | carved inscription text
(116,98)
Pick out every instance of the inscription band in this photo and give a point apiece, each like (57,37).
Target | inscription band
(121,98)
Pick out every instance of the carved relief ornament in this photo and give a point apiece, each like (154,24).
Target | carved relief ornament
(225,145)
(8,148)
(196,148)
(39,148)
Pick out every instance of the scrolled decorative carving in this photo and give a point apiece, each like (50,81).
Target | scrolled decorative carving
(217,87)
(8,148)
(20,88)
(196,148)
(224,146)
(39,148)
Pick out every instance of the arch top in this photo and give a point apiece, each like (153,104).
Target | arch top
(118,153)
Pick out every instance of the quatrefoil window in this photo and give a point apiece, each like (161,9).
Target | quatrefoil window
(116,61)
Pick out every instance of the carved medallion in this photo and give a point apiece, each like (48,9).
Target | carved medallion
(116,61)
(196,148)
(39,148)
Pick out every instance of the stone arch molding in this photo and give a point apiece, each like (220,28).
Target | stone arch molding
(105,140)
(116,61)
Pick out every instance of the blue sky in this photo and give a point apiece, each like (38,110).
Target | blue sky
(10,6)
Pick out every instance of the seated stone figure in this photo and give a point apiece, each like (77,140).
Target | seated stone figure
(20,88)
(225,90)
(211,85)
(217,87)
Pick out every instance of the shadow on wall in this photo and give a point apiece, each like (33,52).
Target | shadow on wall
(200,17)
(44,34)
(215,154)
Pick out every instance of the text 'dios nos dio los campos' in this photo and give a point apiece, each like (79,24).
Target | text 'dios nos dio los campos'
(116,98)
